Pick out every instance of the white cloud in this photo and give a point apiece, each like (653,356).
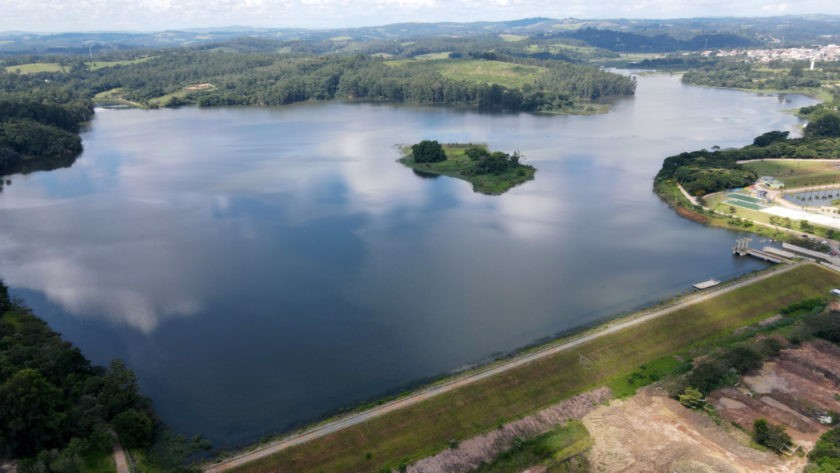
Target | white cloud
(775,8)
(66,15)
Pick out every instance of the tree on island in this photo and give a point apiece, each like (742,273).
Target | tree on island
(428,151)
(495,162)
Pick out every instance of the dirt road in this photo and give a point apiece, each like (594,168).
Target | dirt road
(474,376)
(120,459)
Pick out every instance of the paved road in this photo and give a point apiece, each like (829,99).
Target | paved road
(455,383)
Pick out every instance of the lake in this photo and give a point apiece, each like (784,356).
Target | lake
(259,268)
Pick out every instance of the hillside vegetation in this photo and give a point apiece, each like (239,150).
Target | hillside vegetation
(175,78)
(39,130)
(60,414)
(56,408)
(703,172)
(773,76)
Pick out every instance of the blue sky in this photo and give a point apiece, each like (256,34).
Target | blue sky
(150,15)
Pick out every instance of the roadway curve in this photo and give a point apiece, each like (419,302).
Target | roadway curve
(474,376)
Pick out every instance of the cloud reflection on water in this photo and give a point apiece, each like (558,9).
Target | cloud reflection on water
(130,233)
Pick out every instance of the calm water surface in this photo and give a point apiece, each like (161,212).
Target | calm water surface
(259,268)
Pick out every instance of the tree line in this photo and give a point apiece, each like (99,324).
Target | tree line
(267,80)
(773,76)
(277,79)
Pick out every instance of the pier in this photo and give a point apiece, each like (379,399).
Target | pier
(742,248)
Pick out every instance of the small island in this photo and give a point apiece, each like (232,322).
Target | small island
(490,172)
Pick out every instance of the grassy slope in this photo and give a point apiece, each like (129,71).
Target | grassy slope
(475,70)
(94,65)
(798,172)
(35,68)
(114,96)
(548,450)
(428,427)
(512,38)
(457,163)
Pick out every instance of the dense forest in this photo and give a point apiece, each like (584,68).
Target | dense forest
(59,413)
(35,124)
(703,172)
(173,78)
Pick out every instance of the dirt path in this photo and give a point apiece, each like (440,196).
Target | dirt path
(815,160)
(434,390)
(120,459)
(688,196)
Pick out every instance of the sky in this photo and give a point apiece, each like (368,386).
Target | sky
(155,15)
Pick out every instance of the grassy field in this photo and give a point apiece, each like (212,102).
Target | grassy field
(428,427)
(626,386)
(479,71)
(94,65)
(512,38)
(163,100)
(428,56)
(36,67)
(459,166)
(114,97)
(798,172)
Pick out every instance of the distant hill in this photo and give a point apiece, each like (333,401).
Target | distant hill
(638,43)
(616,35)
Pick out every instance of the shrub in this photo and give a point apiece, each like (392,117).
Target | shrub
(133,428)
(743,359)
(691,398)
(711,375)
(771,436)
(826,326)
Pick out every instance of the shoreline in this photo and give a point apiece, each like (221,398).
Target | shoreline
(521,358)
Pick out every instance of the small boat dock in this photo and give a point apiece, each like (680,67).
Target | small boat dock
(706,284)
